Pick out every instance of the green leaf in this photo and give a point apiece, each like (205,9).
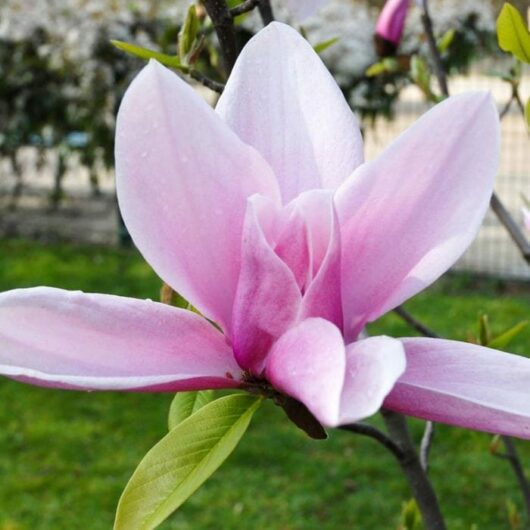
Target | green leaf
(495,444)
(184,404)
(375,69)
(527,112)
(500,342)
(446,40)
(389,64)
(512,33)
(514,518)
(168,60)
(410,516)
(188,33)
(420,74)
(324,45)
(484,336)
(183,460)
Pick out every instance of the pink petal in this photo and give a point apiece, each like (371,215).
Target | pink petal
(56,338)
(373,366)
(268,298)
(308,363)
(465,385)
(322,297)
(293,244)
(409,215)
(183,178)
(281,99)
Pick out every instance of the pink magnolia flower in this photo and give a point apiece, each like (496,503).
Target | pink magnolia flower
(390,25)
(263,215)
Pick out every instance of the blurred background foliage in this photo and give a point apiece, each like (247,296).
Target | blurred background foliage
(61,80)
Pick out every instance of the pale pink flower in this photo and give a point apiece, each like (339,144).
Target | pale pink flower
(391,20)
(263,215)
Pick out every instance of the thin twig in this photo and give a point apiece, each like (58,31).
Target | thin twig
(428,433)
(511,454)
(506,108)
(419,482)
(433,48)
(426,444)
(511,226)
(223,23)
(520,104)
(265,11)
(372,432)
(513,457)
(207,82)
(414,323)
(244,7)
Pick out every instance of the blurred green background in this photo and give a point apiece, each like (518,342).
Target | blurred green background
(66,456)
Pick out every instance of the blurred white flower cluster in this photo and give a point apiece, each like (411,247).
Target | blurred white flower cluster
(74,25)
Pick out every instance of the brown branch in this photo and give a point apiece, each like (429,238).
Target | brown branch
(419,482)
(207,82)
(433,48)
(372,432)
(520,104)
(428,434)
(402,447)
(265,11)
(511,226)
(264,8)
(506,108)
(244,7)
(414,323)
(513,457)
(223,24)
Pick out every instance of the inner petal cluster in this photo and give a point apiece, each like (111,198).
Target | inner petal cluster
(290,271)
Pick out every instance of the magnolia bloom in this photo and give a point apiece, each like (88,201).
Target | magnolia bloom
(263,215)
(390,25)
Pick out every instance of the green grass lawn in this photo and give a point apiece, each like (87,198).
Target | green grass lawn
(66,456)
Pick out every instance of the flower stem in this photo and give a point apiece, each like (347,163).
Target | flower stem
(207,82)
(417,477)
(433,48)
(265,11)
(244,7)
(223,23)
(513,457)
(379,436)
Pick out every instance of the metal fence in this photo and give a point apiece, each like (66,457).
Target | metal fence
(81,216)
